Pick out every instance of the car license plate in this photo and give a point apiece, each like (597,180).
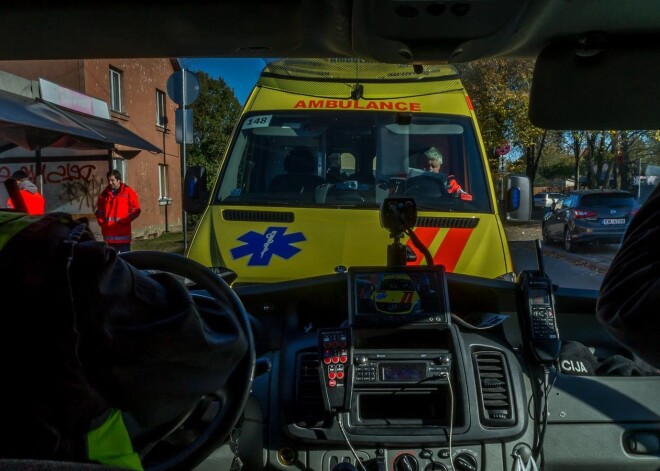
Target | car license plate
(614,221)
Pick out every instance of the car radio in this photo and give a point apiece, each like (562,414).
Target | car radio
(398,368)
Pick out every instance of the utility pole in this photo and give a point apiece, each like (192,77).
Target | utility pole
(183,88)
(183,157)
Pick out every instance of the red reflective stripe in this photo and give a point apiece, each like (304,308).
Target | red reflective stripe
(451,248)
(426,236)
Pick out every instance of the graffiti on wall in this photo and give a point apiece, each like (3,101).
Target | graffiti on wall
(71,187)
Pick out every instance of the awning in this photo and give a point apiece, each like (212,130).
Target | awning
(111,131)
(34,124)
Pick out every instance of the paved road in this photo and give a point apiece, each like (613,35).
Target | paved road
(584,269)
(564,269)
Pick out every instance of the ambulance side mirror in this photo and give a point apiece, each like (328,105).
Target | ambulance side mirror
(518,198)
(195,195)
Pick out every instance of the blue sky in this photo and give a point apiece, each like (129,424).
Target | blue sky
(239,74)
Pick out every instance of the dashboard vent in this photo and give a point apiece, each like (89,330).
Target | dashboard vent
(494,388)
(308,410)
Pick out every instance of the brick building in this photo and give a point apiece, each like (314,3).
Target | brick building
(135,93)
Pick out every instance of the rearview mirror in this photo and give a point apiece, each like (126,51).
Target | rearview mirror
(607,87)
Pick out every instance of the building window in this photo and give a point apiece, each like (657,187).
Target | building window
(120,164)
(162,184)
(116,95)
(161,118)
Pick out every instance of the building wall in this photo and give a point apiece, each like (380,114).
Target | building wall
(67,73)
(140,80)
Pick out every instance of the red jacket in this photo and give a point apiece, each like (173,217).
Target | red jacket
(115,212)
(34,201)
(454,188)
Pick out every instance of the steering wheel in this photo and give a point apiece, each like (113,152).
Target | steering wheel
(208,425)
(426,186)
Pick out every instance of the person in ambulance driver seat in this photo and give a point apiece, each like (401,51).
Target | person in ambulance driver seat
(33,200)
(431,160)
(117,207)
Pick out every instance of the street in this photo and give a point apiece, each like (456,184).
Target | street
(584,269)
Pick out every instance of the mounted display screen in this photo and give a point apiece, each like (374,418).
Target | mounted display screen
(404,295)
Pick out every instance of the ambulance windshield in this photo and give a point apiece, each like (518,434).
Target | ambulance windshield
(349,159)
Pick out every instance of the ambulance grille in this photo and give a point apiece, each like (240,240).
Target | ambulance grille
(308,410)
(461,223)
(494,387)
(257,216)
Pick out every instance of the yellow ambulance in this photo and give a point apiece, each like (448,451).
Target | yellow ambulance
(320,144)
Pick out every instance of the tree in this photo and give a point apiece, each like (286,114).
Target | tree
(215,113)
(484,83)
(556,166)
(499,89)
(575,141)
(629,148)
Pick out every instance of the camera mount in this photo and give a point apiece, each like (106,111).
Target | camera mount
(398,216)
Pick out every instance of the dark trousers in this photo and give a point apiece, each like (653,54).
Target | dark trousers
(119,248)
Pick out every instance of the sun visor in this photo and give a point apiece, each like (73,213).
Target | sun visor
(609,88)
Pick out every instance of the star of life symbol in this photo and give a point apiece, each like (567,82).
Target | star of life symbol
(262,247)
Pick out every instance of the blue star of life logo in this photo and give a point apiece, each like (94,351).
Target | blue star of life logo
(262,247)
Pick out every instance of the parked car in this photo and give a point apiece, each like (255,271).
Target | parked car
(587,216)
(545,200)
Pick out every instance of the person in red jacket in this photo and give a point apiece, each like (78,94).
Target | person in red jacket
(33,200)
(430,161)
(117,207)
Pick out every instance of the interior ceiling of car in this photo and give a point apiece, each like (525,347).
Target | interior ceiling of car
(580,33)
(424,31)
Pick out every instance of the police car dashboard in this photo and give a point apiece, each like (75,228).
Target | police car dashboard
(412,368)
